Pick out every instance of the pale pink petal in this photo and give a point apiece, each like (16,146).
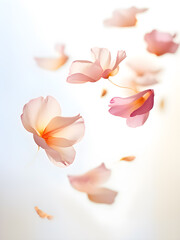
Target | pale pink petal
(146,106)
(137,121)
(124,17)
(103,195)
(90,180)
(73,132)
(84,71)
(160,43)
(51,63)
(103,56)
(38,112)
(121,55)
(61,157)
(58,123)
(40,141)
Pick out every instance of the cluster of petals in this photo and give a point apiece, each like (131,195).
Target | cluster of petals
(160,43)
(53,63)
(124,17)
(91,184)
(134,108)
(145,71)
(52,132)
(82,71)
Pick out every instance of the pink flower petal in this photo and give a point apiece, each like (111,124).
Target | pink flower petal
(124,17)
(103,56)
(103,195)
(38,112)
(58,123)
(160,43)
(40,141)
(53,63)
(137,121)
(84,71)
(147,105)
(90,180)
(61,157)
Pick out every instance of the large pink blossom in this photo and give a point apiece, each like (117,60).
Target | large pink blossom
(52,132)
(134,108)
(160,43)
(124,17)
(82,71)
(91,184)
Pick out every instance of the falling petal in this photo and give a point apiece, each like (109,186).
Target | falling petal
(104,92)
(128,158)
(42,214)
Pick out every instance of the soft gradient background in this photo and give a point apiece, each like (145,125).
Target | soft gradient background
(148,203)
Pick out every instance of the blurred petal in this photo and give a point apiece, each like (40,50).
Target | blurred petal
(160,43)
(104,92)
(53,63)
(90,180)
(84,71)
(128,158)
(103,195)
(43,214)
(137,121)
(124,17)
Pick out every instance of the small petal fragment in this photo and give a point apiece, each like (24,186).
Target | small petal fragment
(128,158)
(42,214)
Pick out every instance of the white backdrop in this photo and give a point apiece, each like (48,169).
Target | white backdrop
(147,206)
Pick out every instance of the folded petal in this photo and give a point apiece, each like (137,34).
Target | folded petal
(121,55)
(38,112)
(146,106)
(137,121)
(90,180)
(103,56)
(84,71)
(40,141)
(61,157)
(103,195)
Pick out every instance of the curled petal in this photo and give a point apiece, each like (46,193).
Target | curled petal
(137,121)
(90,180)
(103,195)
(43,214)
(84,71)
(38,112)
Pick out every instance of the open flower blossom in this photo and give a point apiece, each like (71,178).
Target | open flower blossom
(160,43)
(91,184)
(52,132)
(145,71)
(134,108)
(124,17)
(101,67)
(53,63)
